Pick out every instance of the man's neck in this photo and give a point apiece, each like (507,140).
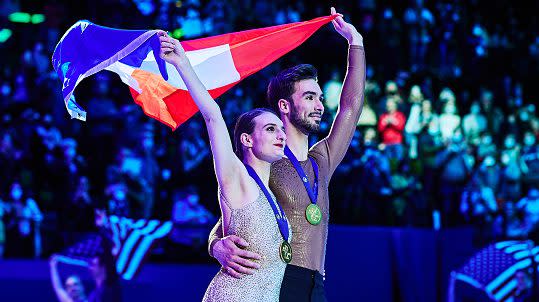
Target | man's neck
(99,283)
(81,298)
(297,142)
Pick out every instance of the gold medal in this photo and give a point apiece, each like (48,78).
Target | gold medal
(313,214)
(285,250)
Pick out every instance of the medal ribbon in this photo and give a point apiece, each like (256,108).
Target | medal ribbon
(313,193)
(280,216)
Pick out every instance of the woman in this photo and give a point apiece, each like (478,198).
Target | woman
(449,120)
(248,208)
(24,237)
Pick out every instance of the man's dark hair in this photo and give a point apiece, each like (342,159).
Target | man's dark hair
(281,86)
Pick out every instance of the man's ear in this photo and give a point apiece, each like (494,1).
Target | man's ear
(284,106)
(246,140)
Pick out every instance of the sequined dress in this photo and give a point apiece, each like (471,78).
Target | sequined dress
(255,223)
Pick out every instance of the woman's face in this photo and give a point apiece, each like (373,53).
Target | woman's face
(83,184)
(16,191)
(426,107)
(450,108)
(268,138)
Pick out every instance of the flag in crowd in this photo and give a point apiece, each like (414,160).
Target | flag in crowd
(130,244)
(494,268)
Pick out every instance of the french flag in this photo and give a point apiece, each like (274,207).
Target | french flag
(220,62)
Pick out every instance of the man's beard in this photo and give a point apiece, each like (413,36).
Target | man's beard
(303,124)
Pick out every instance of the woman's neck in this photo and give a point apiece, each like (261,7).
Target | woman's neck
(261,167)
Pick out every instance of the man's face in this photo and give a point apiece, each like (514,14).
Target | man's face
(74,288)
(306,109)
(391,106)
(370,135)
(391,89)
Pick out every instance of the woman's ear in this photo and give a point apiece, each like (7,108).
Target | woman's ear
(246,140)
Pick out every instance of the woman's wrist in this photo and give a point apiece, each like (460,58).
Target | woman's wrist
(181,62)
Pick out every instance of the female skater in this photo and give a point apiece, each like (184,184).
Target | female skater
(249,209)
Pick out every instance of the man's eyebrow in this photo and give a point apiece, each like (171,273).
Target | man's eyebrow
(311,93)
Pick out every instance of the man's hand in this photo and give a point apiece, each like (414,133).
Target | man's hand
(347,30)
(235,261)
(171,50)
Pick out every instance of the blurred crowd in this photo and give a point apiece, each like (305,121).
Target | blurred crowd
(447,137)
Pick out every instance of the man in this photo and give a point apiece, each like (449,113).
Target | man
(295,94)
(454,166)
(107,284)
(73,290)
(101,267)
(474,124)
(107,281)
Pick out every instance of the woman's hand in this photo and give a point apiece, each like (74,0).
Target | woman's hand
(171,50)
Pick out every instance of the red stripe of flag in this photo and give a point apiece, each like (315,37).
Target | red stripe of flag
(251,51)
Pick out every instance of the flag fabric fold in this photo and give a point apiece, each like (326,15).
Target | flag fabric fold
(220,62)
(128,242)
(494,268)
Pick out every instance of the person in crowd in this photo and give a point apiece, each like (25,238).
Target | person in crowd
(529,204)
(511,170)
(368,118)
(412,127)
(493,113)
(188,210)
(474,124)
(101,266)
(449,120)
(530,161)
(454,165)
(391,128)
(73,288)
(2,229)
(375,179)
(24,225)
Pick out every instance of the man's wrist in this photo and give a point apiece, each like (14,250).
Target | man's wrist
(356,40)
(210,247)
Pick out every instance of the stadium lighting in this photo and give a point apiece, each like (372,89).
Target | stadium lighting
(5,34)
(19,17)
(38,18)
(177,33)
(22,17)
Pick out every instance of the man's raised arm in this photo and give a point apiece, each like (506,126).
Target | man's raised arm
(352,94)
